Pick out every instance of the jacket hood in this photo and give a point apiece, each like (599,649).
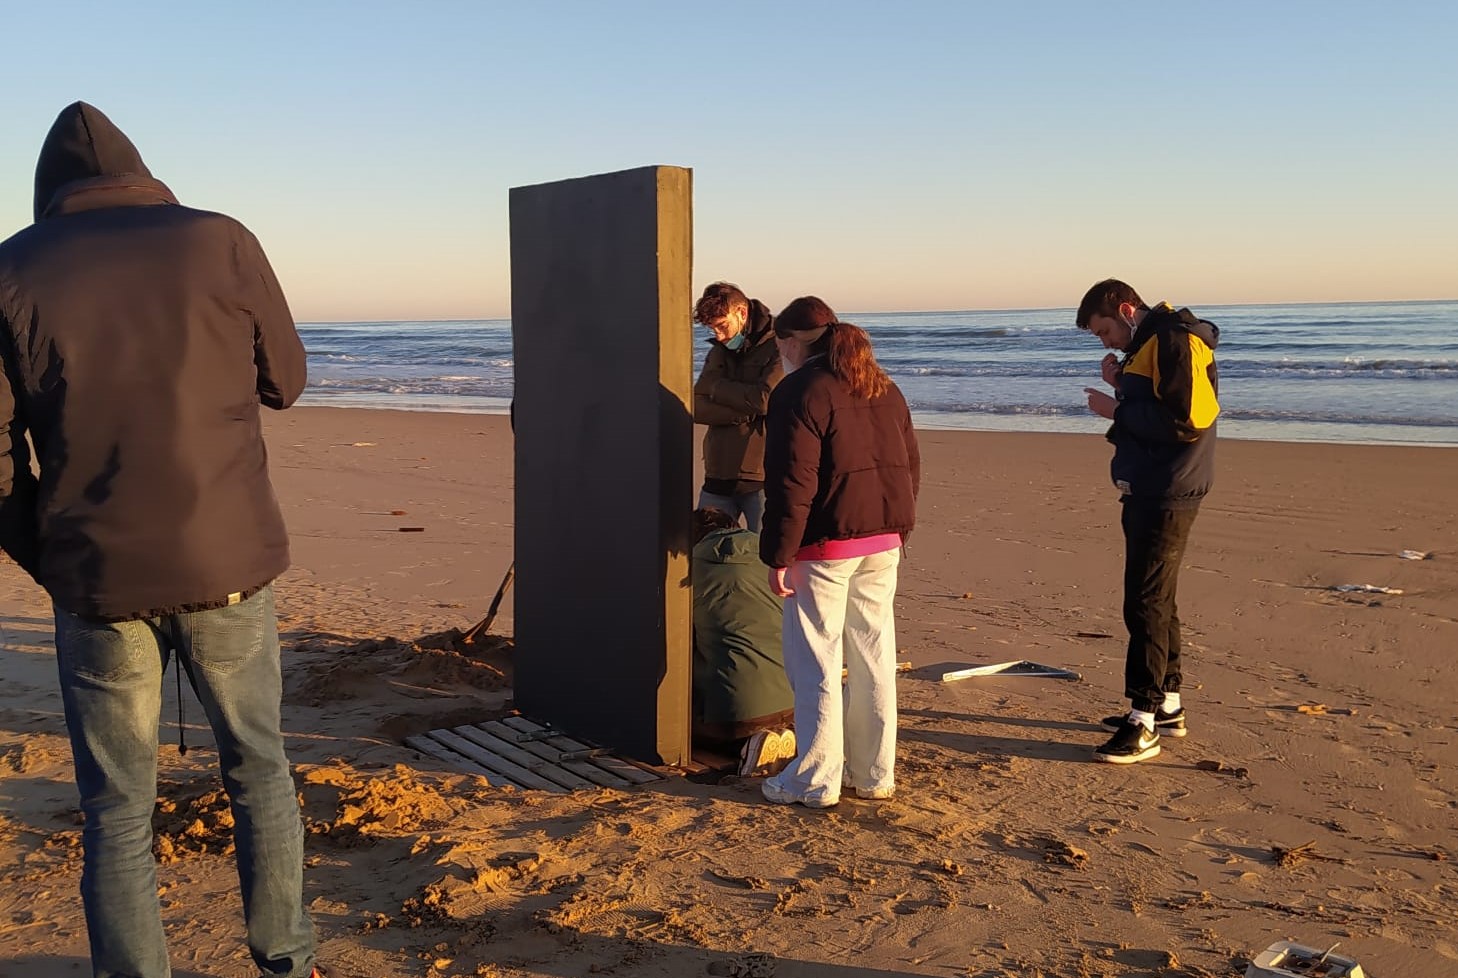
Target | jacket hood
(1165,316)
(82,144)
(761,321)
(735,546)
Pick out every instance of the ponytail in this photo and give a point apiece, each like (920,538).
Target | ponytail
(851,360)
(846,346)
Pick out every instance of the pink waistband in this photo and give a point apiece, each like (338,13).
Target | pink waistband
(856,547)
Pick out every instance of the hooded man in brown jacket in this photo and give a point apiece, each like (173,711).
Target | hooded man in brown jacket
(731,397)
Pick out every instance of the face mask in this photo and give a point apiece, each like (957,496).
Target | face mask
(734,342)
(1130,325)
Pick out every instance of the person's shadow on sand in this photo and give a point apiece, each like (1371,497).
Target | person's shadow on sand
(968,743)
(1075,726)
(59,966)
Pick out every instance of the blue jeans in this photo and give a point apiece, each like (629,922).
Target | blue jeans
(111,683)
(749,504)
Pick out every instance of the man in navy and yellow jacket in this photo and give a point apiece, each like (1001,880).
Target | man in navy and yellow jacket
(1163,410)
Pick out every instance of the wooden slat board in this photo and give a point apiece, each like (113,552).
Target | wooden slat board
(519,752)
(622,767)
(583,767)
(440,752)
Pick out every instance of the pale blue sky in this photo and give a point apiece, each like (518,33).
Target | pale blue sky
(887,156)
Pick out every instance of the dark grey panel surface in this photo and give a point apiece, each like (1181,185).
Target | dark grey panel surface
(600,295)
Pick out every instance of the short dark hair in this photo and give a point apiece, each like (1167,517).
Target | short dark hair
(1104,299)
(709,519)
(716,302)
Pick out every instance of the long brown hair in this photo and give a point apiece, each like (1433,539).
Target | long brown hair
(852,361)
(847,347)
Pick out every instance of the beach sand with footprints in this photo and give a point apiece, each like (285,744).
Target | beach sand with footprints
(1315,798)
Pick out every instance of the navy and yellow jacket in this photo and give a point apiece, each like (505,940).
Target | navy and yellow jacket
(1164,426)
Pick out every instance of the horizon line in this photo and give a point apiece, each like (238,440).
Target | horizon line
(932,312)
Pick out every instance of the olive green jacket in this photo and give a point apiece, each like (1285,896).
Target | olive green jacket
(739,671)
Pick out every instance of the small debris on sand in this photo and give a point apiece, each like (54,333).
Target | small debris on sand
(1288,858)
(1062,854)
(1220,767)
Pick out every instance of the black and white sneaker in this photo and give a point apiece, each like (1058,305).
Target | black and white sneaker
(1132,743)
(1165,724)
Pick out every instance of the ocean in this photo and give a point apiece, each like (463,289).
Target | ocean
(1376,373)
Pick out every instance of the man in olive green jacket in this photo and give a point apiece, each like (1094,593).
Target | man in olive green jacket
(741,696)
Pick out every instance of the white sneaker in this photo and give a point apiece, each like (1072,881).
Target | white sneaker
(777,794)
(873,794)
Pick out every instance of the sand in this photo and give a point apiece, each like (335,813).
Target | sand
(1314,798)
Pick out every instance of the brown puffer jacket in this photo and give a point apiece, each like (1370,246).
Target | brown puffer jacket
(139,338)
(732,396)
(837,467)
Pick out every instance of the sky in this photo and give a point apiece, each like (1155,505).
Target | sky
(885,156)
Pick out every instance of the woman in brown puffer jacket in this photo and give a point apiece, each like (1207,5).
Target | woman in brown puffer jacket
(842,472)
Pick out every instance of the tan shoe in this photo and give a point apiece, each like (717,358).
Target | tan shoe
(757,752)
(785,753)
(766,752)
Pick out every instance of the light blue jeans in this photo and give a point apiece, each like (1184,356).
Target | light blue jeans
(841,616)
(111,683)
(750,505)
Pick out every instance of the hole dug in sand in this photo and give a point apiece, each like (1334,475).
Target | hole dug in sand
(440,665)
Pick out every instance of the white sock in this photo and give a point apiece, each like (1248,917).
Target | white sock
(1171,703)
(1139,716)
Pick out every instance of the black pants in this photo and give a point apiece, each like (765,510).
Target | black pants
(1154,545)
